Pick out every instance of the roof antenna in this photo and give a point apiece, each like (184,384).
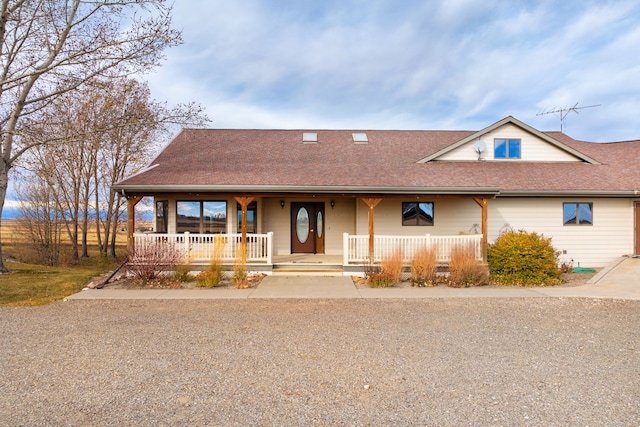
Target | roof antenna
(562,113)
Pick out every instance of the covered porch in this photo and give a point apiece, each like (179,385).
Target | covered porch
(342,227)
(198,250)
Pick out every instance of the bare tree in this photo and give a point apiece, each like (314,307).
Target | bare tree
(51,47)
(40,221)
(108,130)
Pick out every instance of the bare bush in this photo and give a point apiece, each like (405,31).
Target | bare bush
(464,268)
(424,267)
(152,259)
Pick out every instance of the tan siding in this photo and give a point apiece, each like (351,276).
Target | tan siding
(533,148)
(610,236)
(451,217)
(278,221)
(339,220)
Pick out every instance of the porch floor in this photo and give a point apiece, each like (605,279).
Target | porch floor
(308,259)
(315,264)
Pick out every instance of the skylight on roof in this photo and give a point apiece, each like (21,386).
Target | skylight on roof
(309,137)
(360,138)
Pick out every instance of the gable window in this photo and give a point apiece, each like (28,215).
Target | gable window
(207,217)
(506,148)
(162,216)
(577,213)
(417,213)
(252,217)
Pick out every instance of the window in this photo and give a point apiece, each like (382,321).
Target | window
(506,149)
(360,138)
(577,213)
(208,217)
(252,217)
(162,216)
(414,213)
(309,137)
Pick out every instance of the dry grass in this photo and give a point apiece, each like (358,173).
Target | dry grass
(33,284)
(392,266)
(424,267)
(29,284)
(240,277)
(465,270)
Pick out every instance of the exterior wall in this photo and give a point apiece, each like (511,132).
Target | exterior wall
(450,217)
(610,236)
(533,149)
(338,220)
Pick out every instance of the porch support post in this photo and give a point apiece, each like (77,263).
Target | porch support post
(371,203)
(244,202)
(132,201)
(484,204)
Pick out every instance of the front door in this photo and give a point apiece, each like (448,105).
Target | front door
(307,227)
(637,216)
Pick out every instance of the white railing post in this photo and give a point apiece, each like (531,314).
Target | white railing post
(345,248)
(270,247)
(187,245)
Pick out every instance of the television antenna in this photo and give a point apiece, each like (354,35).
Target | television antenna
(562,113)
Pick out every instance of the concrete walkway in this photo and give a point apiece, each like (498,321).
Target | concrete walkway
(620,280)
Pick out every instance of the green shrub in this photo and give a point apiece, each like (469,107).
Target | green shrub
(521,258)
(380,279)
(209,278)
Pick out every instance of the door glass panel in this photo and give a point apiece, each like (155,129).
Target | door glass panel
(319,224)
(302,224)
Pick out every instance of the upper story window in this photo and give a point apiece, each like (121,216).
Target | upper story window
(577,213)
(417,213)
(207,217)
(506,148)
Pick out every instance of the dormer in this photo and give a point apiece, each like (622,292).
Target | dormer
(509,140)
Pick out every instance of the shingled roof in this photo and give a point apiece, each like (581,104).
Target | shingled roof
(219,160)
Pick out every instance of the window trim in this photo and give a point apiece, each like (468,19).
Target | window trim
(507,143)
(577,220)
(417,218)
(201,227)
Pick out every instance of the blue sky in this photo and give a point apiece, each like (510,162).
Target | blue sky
(378,64)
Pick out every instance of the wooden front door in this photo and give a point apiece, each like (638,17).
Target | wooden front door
(307,227)
(636,206)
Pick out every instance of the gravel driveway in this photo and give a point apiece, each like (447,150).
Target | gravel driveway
(455,362)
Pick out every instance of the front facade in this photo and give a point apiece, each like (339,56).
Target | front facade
(358,195)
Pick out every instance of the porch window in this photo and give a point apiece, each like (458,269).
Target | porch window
(577,213)
(162,216)
(417,213)
(506,149)
(252,217)
(207,217)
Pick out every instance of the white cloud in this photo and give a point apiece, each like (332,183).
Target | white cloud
(383,64)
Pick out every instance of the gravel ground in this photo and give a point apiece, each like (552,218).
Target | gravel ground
(478,362)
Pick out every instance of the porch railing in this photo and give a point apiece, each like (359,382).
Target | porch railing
(356,247)
(200,247)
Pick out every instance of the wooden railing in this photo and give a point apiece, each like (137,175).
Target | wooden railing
(356,247)
(200,247)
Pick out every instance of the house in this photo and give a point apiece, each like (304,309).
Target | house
(357,195)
